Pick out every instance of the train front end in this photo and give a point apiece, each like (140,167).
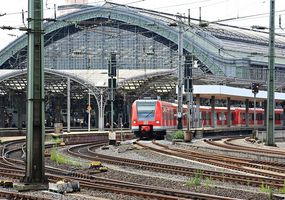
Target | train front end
(144,118)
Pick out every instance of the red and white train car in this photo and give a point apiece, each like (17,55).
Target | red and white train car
(151,118)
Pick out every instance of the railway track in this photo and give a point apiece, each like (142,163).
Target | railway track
(88,152)
(95,183)
(13,195)
(228,144)
(266,169)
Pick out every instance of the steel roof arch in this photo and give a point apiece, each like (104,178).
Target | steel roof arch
(14,73)
(132,17)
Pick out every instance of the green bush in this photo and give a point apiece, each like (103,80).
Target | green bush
(178,135)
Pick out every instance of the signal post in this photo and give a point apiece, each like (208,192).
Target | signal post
(112,73)
(188,89)
(255,90)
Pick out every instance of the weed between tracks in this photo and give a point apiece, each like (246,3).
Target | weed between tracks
(282,190)
(61,159)
(196,180)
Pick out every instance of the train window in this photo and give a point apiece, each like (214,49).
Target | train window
(203,115)
(165,113)
(222,116)
(277,116)
(259,116)
(218,116)
(208,116)
(242,116)
(233,116)
(146,110)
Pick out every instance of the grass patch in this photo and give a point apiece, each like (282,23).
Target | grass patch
(196,180)
(55,139)
(178,135)
(62,159)
(266,189)
(208,182)
(282,190)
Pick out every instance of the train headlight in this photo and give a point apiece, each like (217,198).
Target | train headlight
(157,121)
(135,121)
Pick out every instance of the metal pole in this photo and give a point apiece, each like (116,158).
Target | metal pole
(112,104)
(270,79)
(191,93)
(189,111)
(101,114)
(254,112)
(89,111)
(68,105)
(35,167)
(179,73)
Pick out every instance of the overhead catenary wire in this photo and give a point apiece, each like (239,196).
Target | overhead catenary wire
(152,11)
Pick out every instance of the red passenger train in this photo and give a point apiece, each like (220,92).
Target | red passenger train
(152,118)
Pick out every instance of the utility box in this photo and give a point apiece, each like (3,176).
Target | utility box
(58,128)
(64,187)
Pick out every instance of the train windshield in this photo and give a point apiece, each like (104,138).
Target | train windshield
(146,110)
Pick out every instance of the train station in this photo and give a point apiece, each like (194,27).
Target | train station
(109,78)
(78,48)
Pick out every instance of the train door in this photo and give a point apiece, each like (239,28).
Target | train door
(277,118)
(165,116)
(227,117)
(259,118)
(171,117)
(236,120)
(206,119)
(218,117)
(242,118)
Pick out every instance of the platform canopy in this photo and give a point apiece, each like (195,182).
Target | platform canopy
(223,92)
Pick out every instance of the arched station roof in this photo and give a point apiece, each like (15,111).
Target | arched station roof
(214,48)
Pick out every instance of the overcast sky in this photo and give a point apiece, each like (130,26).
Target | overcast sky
(212,10)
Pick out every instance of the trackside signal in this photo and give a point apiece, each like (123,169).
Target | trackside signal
(255,88)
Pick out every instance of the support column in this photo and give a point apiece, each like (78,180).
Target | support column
(265,112)
(68,105)
(57,104)
(2,108)
(125,112)
(20,108)
(35,167)
(213,112)
(198,103)
(89,112)
(270,117)
(179,78)
(283,114)
(246,113)
(101,112)
(229,115)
